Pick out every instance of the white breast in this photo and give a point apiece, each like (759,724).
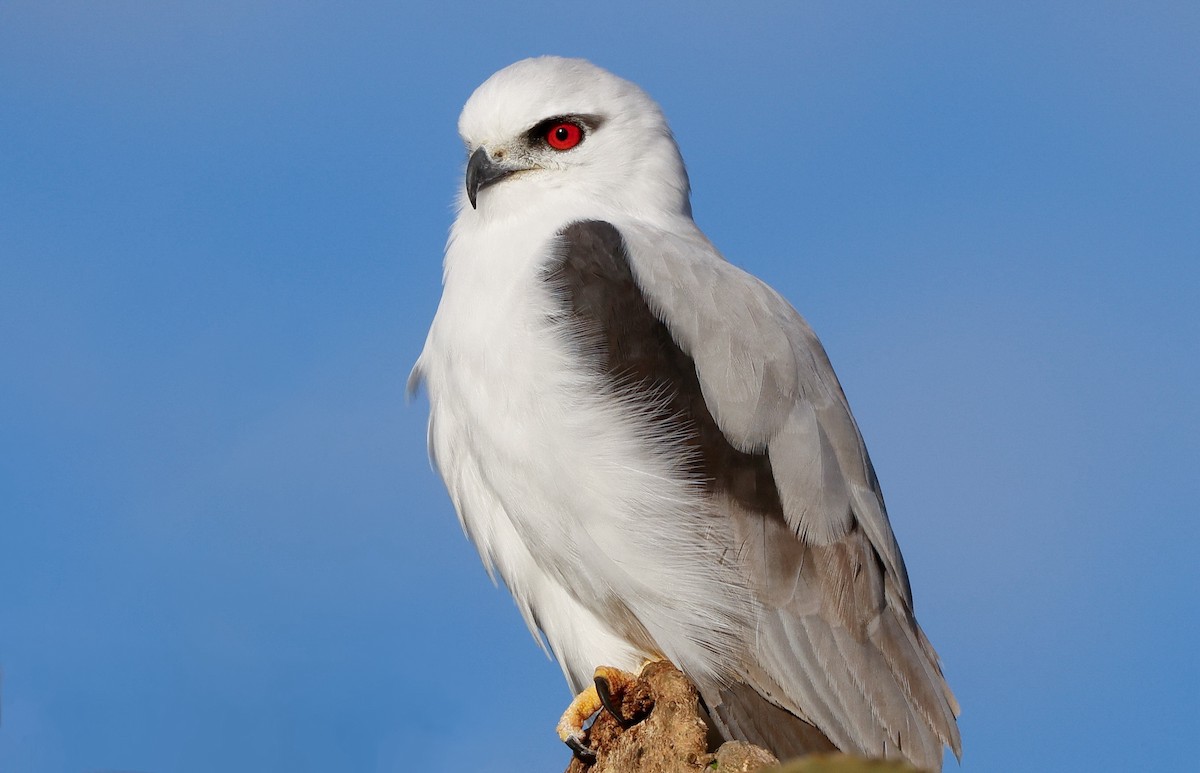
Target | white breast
(606,546)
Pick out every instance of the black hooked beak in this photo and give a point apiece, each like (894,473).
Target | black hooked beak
(482,172)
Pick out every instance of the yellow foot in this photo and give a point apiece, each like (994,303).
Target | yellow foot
(607,682)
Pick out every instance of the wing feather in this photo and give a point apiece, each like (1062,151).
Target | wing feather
(836,643)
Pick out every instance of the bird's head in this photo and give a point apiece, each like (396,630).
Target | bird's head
(563,133)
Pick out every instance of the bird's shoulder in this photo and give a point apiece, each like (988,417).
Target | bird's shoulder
(762,372)
(755,354)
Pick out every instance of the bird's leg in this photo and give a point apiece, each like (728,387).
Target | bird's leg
(607,683)
(570,726)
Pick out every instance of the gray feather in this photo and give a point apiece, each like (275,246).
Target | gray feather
(836,641)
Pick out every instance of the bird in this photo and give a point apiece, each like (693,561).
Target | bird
(649,446)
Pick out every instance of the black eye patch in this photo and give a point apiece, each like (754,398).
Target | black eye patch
(536,135)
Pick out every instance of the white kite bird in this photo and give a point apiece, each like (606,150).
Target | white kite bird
(649,445)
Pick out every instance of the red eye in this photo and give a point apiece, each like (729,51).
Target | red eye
(564,136)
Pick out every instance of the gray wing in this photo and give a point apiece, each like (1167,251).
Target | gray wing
(836,645)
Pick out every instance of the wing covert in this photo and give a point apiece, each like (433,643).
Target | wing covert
(837,607)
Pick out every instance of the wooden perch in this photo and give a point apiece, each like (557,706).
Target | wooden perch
(667,734)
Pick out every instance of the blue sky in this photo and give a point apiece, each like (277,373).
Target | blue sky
(221,225)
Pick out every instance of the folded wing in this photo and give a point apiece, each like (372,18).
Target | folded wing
(836,657)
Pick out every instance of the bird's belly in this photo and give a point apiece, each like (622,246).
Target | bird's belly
(544,437)
(584,507)
(540,462)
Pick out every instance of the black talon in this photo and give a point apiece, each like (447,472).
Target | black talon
(604,691)
(582,752)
